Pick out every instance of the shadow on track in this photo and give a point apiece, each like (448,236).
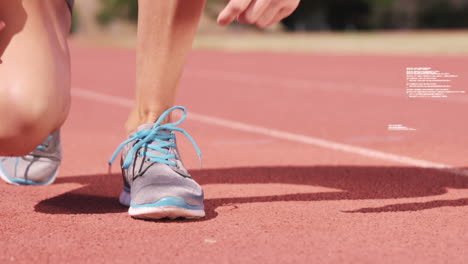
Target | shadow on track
(98,195)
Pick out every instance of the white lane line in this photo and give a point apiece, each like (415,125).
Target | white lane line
(318,142)
(304,84)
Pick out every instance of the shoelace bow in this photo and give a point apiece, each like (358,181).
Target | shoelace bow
(154,139)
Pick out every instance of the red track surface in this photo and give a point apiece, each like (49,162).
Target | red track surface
(267,199)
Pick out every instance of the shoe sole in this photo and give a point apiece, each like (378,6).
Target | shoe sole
(168,207)
(161,212)
(9,180)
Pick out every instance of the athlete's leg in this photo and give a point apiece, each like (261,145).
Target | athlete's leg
(34,72)
(156,183)
(165,34)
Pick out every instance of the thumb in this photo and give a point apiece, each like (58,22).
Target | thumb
(232,10)
(2,25)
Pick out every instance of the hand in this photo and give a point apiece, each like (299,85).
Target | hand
(262,13)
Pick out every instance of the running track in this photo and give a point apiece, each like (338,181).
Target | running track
(298,166)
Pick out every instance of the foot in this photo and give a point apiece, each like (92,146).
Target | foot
(39,167)
(156,183)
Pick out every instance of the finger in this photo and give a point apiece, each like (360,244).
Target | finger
(232,11)
(2,25)
(241,19)
(254,11)
(267,17)
(283,13)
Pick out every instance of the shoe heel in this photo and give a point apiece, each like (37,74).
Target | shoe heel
(125,198)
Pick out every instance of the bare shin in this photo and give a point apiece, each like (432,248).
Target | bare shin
(166,30)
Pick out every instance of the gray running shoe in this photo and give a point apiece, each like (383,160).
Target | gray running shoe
(156,183)
(39,167)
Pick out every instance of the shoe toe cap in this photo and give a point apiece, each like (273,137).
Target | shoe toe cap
(29,171)
(150,188)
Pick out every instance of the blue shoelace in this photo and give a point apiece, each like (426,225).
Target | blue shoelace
(158,138)
(44,144)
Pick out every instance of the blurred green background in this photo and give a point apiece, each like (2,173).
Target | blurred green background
(341,15)
(408,27)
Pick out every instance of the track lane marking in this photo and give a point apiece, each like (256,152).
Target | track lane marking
(298,138)
(304,84)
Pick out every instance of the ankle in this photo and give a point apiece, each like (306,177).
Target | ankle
(138,118)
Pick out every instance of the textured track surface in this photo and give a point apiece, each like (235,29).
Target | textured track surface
(330,184)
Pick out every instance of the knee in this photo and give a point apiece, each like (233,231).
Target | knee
(17,142)
(24,125)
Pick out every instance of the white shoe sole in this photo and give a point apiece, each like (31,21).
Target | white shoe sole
(165,212)
(159,212)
